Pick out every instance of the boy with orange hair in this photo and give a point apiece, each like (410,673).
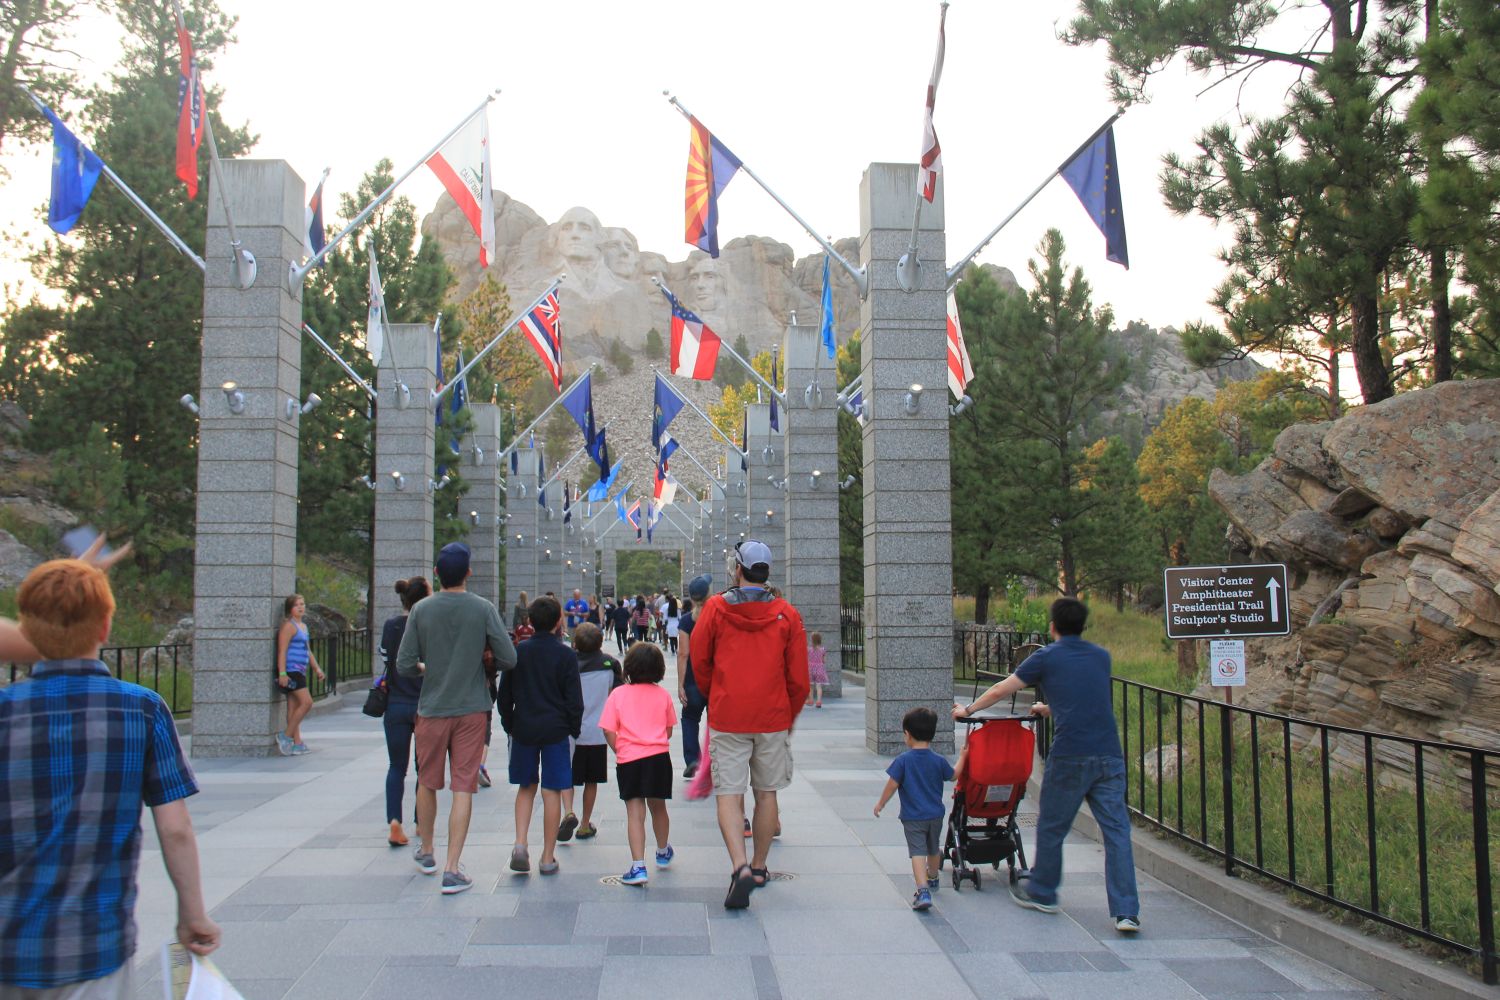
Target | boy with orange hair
(82,752)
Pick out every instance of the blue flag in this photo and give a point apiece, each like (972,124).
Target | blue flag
(437,414)
(600,490)
(75,171)
(668,405)
(620,506)
(775,422)
(829,341)
(459,401)
(580,403)
(1094,175)
(515,462)
(600,453)
(745,442)
(567,505)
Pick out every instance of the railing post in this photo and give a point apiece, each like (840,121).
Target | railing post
(1226,769)
(1479,794)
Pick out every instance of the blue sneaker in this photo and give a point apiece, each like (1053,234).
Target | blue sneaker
(921,900)
(664,856)
(284,744)
(636,876)
(933,881)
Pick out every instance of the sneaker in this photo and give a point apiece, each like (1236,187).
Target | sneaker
(1023,898)
(690,771)
(284,744)
(664,856)
(636,876)
(299,749)
(586,830)
(549,868)
(456,882)
(921,900)
(566,827)
(933,881)
(424,860)
(1127,925)
(520,859)
(396,838)
(484,776)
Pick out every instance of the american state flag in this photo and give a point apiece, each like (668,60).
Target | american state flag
(543,327)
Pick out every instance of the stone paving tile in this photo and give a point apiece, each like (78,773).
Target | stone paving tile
(1146,985)
(534,923)
(673,944)
(997,976)
(845,932)
(1172,922)
(253,949)
(676,977)
(576,955)
(643,916)
(321,889)
(1230,975)
(415,983)
(767,986)
(742,934)
(335,977)
(424,936)
(861,977)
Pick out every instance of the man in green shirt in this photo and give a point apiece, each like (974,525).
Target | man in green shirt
(447,636)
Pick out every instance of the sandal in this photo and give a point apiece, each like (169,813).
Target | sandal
(761,877)
(741,884)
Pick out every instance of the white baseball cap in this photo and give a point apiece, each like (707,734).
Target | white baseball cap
(751,553)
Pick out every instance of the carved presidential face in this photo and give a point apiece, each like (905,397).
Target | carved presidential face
(707,284)
(578,235)
(621,253)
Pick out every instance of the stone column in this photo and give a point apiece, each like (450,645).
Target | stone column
(908,546)
(403,443)
(812,496)
(522,539)
(766,460)
(736,516)
(246,559)
(484,502)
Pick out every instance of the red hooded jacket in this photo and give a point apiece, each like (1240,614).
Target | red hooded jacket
(750,661)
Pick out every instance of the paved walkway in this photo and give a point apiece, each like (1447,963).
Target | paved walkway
(315,905)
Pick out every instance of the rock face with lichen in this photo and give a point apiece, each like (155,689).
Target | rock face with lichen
(1389,522)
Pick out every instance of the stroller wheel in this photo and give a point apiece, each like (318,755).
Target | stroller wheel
(1014,875)
(974,874)
(958,878)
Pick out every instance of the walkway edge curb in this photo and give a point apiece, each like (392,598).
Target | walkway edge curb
(1385,965)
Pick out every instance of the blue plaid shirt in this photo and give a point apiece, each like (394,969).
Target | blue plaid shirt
(80,753)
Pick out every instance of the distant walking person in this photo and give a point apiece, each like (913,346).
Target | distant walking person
(749,654)
(400,719)
(621,624)
(577,610)
(293,657)
(519,612)
(446,636)
(598,674)
(1085,762)
(817,668)
(641,618)
(692,700)
(83,753)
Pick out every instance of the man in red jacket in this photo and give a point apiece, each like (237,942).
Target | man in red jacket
(749,656)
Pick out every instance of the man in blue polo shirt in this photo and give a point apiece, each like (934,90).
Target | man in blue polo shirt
(80,753)
(1085,762)
(577,610)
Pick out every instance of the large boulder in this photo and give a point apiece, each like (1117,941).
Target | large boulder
(16,560)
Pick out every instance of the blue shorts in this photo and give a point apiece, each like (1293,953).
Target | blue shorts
(554,758)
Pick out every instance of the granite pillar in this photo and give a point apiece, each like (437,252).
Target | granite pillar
(812,497)
(521,535)
(765,501)
(245,562)
(907,541)
(482,506)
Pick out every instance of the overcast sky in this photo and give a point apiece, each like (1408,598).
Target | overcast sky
(806,92)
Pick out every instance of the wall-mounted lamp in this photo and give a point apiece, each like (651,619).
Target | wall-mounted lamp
(770,516)
(914,400)
(403,395)
(478,454)
(813,395)
(234,397)
(547,555)
(848,481)
(520,540)
(768,453)
(814,479)
(570,564)
(780,484)
(474,518)
(550,513)
(189,404)
(521,490)
(433,485)
(398,479)
(962,405)
(369,483)
(292,409)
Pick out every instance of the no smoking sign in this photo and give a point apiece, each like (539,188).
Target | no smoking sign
(1226,658)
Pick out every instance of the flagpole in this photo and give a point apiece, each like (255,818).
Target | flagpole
(694,407)
(509,327)
(916,215)
(711,477)
(570,459)
(561,396)
(724,345)
(341,362)
(609,506)
(958,269)
(857,273)
(131,196)
(299,273)
(666,510)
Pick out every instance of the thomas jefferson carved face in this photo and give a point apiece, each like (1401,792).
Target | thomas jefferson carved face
(707,284)
(621,253)
(578,235)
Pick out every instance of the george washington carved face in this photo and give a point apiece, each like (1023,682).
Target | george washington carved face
(577,236)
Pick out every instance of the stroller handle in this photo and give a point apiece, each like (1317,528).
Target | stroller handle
(980,719)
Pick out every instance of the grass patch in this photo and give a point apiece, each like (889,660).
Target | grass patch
(336,584)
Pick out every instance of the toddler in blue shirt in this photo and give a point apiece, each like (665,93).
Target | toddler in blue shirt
(919,775)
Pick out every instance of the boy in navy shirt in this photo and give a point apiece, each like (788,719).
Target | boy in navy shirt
(919,775)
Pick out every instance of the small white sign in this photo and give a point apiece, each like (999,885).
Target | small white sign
(1226,662)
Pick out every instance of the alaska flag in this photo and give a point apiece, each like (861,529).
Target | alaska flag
(75,171)
(668,405)
(437,412)
(710,167)
(1094,175)
(828,335)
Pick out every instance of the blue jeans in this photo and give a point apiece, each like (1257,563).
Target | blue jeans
(400,722)
(1066,783)
(692,715)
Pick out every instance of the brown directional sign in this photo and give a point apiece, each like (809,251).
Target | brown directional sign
(1211,602)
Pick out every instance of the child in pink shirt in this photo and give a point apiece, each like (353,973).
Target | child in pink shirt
(637,721)
(817,670)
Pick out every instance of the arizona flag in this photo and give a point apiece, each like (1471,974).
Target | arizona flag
(543,327)
(695,348)
(463,165)
(959,369)
(710,168)
(189,110)
(932,152)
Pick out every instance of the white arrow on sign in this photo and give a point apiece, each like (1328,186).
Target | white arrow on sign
(1273,587)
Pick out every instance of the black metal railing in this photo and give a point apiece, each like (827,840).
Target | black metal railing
(989,652)
(1391,828)
(852,637)
(344,656)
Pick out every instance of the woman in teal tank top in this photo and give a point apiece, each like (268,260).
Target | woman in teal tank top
(293,657)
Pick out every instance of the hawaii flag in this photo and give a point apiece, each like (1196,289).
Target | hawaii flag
(695,348)
(463,165)
(932,152)
(543,327)
(189,110)
(959,369)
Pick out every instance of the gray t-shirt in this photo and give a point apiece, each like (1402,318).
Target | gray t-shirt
(449,632)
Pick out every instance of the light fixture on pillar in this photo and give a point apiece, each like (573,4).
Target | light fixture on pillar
(962,405)
(770,517)
(292,409)
(914,400)
(814,479)
(848,481)
(433,485)
(478,454)
(474,518)
(549,513)
(570,564)
(234,397)
(521,490)
(188,403)
(403,395)
(547,555)
(768,453)
(520,540)
(369,483)
(780,484)
(813,395)
(398,479)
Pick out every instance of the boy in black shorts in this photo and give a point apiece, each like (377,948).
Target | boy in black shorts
(599,674)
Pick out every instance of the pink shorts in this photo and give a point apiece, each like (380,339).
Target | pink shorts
(460,740)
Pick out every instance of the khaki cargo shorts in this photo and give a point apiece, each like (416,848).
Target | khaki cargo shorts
(742,761)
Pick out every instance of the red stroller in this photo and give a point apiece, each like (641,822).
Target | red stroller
(982,827)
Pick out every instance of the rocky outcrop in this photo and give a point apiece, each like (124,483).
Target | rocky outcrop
(16,560)
(1398,502)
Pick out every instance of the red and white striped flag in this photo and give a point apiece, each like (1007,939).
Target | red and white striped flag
(190,109)
(463,165)
(695,348)
(960,372)
(932,153)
